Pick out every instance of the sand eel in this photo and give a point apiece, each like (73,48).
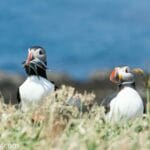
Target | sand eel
(127,103)
(36,87)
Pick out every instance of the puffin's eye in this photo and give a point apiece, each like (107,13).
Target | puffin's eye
(40,52)
(127,70)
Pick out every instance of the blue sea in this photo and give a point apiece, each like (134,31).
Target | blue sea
(80,36)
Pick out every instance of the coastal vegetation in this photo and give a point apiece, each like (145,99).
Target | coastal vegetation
(57,125)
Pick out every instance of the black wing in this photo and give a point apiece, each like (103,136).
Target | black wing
(106,102)
(18,96)
(55,86)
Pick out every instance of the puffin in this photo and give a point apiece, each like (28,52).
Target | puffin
(36,87)
(126,104)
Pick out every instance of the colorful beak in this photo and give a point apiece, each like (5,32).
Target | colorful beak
(30,57)
(115,77)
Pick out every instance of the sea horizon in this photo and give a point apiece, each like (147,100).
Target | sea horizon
(80,37)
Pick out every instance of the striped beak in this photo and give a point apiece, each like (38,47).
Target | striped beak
(29,58)
(115,77)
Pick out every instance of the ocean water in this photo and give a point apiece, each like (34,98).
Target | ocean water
(80,36)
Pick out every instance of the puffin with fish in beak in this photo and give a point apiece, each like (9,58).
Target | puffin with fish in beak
(36,87)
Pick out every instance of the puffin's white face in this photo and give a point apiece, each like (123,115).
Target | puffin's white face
(122,74)
(36,53)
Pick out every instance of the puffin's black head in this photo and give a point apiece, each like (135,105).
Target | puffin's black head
(36,62)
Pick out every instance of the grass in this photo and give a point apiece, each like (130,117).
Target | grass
(55,125)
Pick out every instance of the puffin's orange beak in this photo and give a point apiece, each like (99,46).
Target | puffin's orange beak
(115,77)
(29,58)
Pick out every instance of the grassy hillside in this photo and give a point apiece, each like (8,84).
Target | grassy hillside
(56,125)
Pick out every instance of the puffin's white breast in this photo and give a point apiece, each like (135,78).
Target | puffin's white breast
(126,105)
(34,89)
